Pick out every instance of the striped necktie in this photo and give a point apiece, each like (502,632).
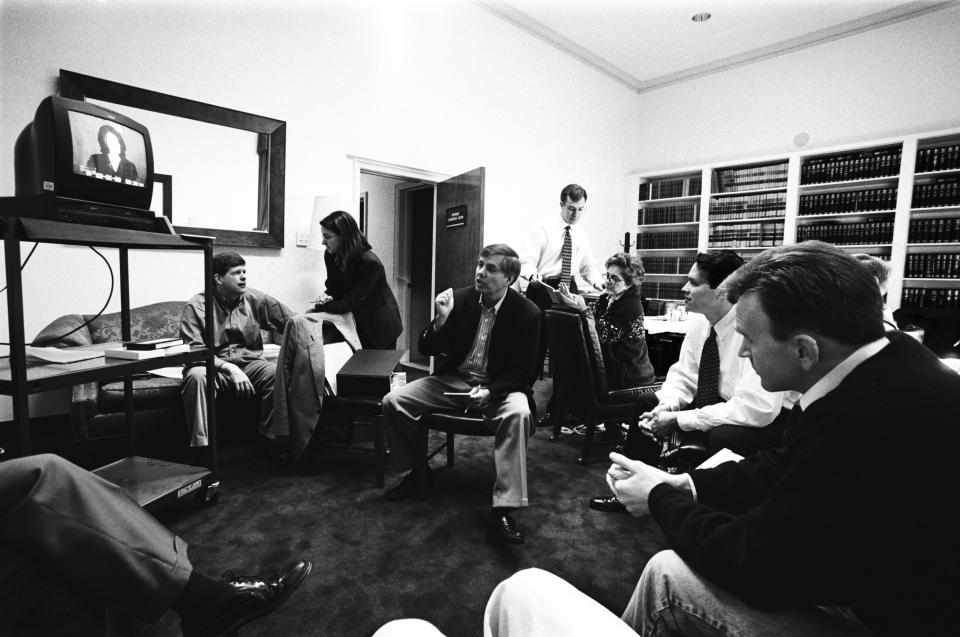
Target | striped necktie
(566,256)
(708,382)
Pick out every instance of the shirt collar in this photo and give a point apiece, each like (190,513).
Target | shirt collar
(727,323)
(836,375)
(496,306)
(222,300)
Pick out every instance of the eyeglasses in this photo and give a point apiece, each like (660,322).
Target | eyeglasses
(612,277)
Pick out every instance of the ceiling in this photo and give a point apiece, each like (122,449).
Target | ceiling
(647,44)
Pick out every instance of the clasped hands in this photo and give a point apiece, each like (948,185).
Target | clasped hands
(659,422)
(632,480)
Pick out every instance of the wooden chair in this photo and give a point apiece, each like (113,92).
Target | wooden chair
(579,378)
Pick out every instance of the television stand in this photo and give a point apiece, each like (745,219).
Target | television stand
(152,483)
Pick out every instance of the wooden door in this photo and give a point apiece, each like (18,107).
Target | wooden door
(459,235)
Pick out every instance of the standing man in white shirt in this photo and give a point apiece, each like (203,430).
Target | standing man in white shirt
(710,392)
(558,250)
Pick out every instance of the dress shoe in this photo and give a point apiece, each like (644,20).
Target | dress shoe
(607,504)
(252,597)
(546,420)
(502,530)
(408,486)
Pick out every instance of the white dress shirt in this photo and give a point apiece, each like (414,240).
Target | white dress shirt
(542,253)
(745,403)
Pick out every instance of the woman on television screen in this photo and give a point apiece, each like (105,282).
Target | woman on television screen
(112,158)
(356,283)
(619,321)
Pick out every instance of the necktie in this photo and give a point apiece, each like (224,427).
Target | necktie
(566,256)
(793,423)
(708,384)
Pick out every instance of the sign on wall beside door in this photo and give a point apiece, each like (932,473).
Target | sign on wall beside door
(456,216)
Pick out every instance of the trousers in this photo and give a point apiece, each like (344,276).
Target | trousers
(193,393)
(509,418)
(72,542)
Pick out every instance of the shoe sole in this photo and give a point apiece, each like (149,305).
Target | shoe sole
(243,621)
(620,509)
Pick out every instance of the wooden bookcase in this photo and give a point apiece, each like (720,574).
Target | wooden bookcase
(896,198)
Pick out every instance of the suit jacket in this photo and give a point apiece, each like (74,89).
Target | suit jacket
(512,355)
(855,510)
(362,289)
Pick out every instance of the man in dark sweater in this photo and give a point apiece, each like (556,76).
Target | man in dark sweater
(849,524)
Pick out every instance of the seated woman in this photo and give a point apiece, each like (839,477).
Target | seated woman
(619,319)
(356,283)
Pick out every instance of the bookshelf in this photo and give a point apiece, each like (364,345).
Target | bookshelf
(931,271)
(896,198)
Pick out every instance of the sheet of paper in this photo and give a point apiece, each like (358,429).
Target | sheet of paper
(61,355)
(169,372)
(720,457)
(335,355)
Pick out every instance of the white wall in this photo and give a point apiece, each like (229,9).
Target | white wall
(442,86)
(902,78)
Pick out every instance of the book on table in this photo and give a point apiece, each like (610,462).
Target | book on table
(141,354)
(154,343)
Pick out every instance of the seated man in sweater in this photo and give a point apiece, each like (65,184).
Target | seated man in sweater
(239,313)
(845,530)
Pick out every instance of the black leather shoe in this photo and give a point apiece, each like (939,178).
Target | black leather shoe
(408,486)
(546,420)
(252,597)
(607,504)
(502,530)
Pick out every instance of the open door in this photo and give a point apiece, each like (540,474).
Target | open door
(459,235)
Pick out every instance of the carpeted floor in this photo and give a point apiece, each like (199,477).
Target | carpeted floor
(376,560)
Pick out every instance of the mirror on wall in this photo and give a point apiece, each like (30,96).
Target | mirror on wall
(221,171)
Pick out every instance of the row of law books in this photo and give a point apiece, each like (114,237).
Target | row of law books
(868,164)
(934,231)
(752,178)
(932,266)
(153,348)
(747,235)
(849,201)
(866,233)
(670,188)
(679,213)
(773,204)
(945,191)
(939,158)
(667,265)
(667,240)
(661,290)
(948,298)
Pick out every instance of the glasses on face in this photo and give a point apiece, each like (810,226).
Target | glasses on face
(613,278)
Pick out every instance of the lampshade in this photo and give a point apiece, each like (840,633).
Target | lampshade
(322,206)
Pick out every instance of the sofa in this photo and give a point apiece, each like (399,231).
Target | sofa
(97,408)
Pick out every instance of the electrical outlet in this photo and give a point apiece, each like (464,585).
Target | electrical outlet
(303,238)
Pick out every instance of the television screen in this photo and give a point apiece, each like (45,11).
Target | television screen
(83,152)
(107,150)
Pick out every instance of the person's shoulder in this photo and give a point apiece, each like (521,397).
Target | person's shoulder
(521,304)
(197,300)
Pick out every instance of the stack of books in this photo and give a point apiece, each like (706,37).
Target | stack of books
(153,348)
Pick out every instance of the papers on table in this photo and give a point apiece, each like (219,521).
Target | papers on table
(169,372)
(62,355)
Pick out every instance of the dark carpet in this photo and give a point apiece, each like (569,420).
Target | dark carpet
(375,561)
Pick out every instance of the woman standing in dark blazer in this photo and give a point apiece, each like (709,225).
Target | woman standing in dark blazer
(357,283)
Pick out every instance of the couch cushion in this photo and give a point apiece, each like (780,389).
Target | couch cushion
(157,320)
(148,392)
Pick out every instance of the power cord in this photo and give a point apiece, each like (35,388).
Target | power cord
(91,319)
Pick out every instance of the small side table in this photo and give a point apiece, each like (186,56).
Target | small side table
(362,383)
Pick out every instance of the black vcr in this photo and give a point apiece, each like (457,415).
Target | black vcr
(87,213)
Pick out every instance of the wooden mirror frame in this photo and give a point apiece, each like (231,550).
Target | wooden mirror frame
(272,132)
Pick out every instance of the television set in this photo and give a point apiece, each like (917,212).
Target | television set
(81,152)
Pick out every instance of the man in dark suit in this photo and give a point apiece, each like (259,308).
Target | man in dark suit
(489,333)
(72,543)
